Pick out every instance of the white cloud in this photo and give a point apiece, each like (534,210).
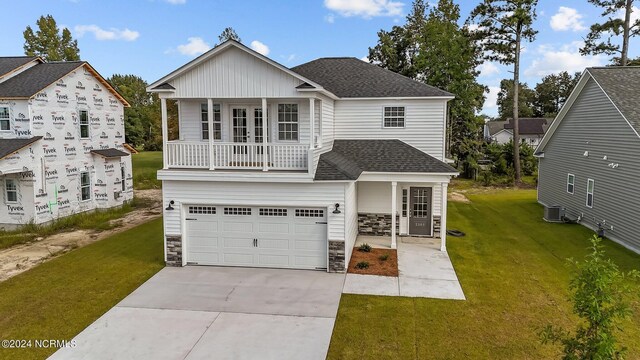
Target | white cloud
(488,69)
(566,58)
(291,57)
(111,34)
(194,46)
(365,8)
(260,47)
(365,58)
(635,14)
(491,101)
(330,18)
(176,2)
(567,19)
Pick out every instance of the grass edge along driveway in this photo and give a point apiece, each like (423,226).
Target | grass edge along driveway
(513,271)
(59,298)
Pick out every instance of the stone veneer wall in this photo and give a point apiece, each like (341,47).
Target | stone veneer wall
(376,224)
(174,250)
(336,256)
(380,224)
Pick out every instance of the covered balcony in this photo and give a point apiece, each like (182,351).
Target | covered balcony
(244,134)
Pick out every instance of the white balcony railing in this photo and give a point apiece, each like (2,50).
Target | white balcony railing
(181,154)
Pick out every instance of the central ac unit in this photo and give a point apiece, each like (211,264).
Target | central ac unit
(553,213)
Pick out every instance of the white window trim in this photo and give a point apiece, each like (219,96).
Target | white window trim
(88,124)
(593,188)
(6,191)
(573,184)
(90,187)
(6,119)
(277,123)
(404,117)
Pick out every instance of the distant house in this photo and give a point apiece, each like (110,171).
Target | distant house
(531,130)
(590,157)
(61,141)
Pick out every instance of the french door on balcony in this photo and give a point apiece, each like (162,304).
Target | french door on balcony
(247,128)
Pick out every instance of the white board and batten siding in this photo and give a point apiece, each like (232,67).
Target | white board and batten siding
(424,122)
(233,74)
(316,195)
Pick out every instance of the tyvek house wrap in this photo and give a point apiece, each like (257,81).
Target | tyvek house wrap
(49,183)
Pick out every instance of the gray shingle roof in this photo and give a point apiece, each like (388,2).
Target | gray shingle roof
(495,126)
(9,63)
(30,82)
(9,146)
(110,153)
(164,86)
(622,85)
(349,158)
(354,78)
(529,126)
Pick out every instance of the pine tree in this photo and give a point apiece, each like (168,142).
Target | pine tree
(48,43)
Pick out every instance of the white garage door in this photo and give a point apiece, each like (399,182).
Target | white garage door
(281,237)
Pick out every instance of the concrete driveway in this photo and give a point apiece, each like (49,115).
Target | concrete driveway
(218,313)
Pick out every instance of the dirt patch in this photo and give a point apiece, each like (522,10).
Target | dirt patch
(20,258)
(459,197)
(377,266)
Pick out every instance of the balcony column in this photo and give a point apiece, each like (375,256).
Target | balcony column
(265,133)
(443,218)
(394,205)
(312,127)
(165,133)
(211,132)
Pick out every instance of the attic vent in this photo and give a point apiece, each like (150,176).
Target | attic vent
(553,213)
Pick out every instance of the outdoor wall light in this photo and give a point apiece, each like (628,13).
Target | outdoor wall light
(170,207)
(337,209)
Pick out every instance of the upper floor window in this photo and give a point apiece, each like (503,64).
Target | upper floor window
(85,186)
(393,117)
(5,121)
(590,186)
(123,183)
(11,190)
(217,121)
(571,179)
(288,122)
(84,124)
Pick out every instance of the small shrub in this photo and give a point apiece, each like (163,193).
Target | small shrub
(364,247)
(362,265)
(383,257)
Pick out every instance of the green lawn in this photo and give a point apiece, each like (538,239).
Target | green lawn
(145,167)
(59,298)
(513,271)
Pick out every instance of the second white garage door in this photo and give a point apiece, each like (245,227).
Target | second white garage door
(280,237)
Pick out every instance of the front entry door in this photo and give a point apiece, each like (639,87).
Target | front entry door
(420,211)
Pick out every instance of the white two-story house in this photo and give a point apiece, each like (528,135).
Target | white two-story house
(61,141)
(285,167)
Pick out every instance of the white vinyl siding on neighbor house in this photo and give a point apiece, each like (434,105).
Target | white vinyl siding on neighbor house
(590,188)
(5,119)
(235,74)
(311,195)
(423,126)
(571,180)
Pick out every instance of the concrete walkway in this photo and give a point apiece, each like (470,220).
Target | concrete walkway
(218,313)
(424,271)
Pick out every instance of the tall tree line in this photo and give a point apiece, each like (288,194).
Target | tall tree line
(433,48)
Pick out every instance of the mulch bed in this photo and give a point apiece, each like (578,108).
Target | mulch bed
(387,267)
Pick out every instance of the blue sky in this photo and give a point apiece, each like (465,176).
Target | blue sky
(150,38)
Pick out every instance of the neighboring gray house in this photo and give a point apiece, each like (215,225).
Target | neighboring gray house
(590,157)
(531,130)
